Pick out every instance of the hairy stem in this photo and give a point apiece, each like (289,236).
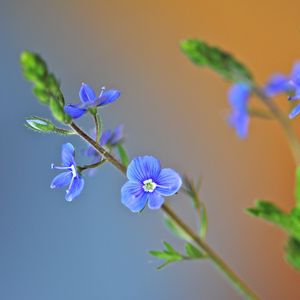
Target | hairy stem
(232,277)
(98,124)
(284,121)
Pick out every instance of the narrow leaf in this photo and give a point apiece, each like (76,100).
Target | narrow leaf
(193,252)
(297,187)
(176,230)
(123,155)
(202,54)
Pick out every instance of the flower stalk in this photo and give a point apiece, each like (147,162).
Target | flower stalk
(232,277)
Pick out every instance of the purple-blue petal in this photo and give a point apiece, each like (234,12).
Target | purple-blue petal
(238,98)
(142,168)
(278,83)
(87,94)
(155,200)
(106,135)
(133,196)
(240,122)
(296,73)
(168,182)
(294,112)
(61,180)
(75,188)
(118,135)
(74,110)
(68,155)
(109,96)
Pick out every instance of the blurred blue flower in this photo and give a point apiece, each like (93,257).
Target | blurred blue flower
(278,83)
(109,138)
(239,95)
(148,183)
(89,100)
(70,177)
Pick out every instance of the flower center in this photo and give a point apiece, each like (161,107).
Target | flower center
(149,185)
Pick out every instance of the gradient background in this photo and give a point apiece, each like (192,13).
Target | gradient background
(94,248)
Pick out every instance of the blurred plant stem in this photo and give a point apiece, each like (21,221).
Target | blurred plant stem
(284,122)
(231,276)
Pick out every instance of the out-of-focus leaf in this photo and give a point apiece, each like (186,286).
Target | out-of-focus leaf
(202,54)
(193,252)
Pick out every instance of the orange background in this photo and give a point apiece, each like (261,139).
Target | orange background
(177,112)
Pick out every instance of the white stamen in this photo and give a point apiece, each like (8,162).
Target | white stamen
(149,185)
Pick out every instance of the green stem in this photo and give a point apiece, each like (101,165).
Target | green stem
(283,120)
(92,166)
(98,124)
(215,258)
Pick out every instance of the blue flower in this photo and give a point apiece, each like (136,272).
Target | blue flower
(148,183)
(109,138)
(89,100)
(239,95)
(70,177)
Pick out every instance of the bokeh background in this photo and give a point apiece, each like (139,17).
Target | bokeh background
(94,248)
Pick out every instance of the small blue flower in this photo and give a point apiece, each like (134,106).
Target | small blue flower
(70,177)
(109,138)
(89,100)
(239,95)
(148,183)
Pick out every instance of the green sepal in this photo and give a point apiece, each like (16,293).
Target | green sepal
(223,63)
(175,229)
(40,124)
(193,252)
(123,155)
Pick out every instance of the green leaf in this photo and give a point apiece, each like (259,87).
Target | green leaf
(202,54)
(292,252)
(175,229)
(270,212)
(40,124)
(297,187)
(193,252)
(123,155)
(169,256)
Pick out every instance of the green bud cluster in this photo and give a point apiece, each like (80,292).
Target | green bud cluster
(45,85)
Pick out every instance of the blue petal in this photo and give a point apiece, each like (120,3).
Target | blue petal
(61,180)
(278,83)
(109,97)
(296,73)
(142,168)
(155,200)
(168,182)
(68,155)
(106,135)
(90,152)
(294,112)
(133,196)
(118,135)
(74,110)
(75,188)
(86,94)
(239,95)
(241,124)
